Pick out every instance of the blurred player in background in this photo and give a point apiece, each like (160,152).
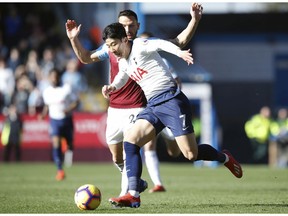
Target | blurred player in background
(258,130)
(167,106)
(11,136)
(60,102)
(126,103)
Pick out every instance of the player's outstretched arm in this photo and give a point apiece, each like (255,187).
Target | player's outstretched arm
(73,30)
(186,55)
(186,35)
(164,45)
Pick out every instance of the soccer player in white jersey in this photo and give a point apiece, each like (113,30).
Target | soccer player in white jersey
(171,145)
(167,106)
(59,101)
(125,104)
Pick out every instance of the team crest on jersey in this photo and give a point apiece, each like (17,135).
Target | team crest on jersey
(145,41)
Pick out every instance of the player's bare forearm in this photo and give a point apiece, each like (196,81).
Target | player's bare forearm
(186,35)
(82,54)
(73,30)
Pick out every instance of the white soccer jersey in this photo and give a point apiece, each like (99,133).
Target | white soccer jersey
(146,66)
(57,99)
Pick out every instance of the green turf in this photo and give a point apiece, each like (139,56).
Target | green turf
(31,188)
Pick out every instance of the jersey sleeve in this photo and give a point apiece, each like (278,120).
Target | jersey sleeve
(156,44)
(101,52)
(44,96)
(121,78)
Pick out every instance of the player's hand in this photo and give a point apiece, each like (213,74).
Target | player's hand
(107,89)
(72,29)
(196,11)
(186,56)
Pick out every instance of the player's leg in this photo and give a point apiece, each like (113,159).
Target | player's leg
(55,134)
(117,157)
(7,152)
(171,144)
(188,146)
(190,149)
(183,122)
(118,121)
(57,156)
(152,164)
(18,151)
(206,152)
(69,137)
(139,134)
(172,148)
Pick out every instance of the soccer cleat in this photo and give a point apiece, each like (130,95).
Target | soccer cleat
(125,201)
(143,185)
(233,165)
(60,175)
(157,188)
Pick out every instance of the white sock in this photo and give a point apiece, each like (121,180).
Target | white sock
(124,178)
(152,164)
(68,158)
(134,193)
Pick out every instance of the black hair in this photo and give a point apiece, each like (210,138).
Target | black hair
(115,31)
(58,75)
(128,13)
(147,34)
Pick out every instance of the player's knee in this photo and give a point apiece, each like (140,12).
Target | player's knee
(174,154)
(191,156)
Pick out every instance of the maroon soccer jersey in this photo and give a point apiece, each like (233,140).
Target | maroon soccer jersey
(130,95)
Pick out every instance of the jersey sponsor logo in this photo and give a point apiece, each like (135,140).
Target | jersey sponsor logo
(138,74)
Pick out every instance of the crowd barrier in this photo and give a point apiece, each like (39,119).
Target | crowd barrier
(89,138)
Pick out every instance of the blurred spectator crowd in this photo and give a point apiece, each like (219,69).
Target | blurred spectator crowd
(28,51)
(268,135)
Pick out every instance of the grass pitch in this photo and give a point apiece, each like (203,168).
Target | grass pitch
(28,188)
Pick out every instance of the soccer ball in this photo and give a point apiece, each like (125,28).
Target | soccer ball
(87,197)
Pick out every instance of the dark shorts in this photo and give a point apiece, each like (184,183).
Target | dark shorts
(62,128)
(174,113)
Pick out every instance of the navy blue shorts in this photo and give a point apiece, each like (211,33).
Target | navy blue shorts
(62,128)
(174,113)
